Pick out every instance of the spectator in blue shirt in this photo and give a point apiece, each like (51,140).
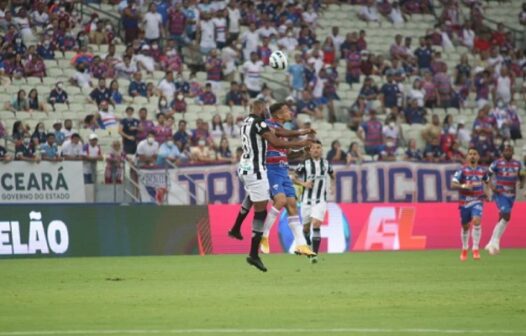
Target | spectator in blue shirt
(424,54)
(58,95)
(390,92)
(46,50)
(128,129)
(413,153)
(369,91)
(297,76)
(19,46)
(169,152)
(235,97)
(207,97)
(415,114)
(49,149)
(100,93)
(181,137)
(433,152)
(60,137)
(308,106)
(183,86)
(137,86)
(115,94)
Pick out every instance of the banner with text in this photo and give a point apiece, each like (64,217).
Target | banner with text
(366,183)
(44,182)
(367,227)
(101,230)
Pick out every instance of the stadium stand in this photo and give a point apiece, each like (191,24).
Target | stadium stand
(346,59)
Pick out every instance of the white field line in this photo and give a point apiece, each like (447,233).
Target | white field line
(264,331)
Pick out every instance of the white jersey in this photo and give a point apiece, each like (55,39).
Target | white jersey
(317,171)
(221,27)
(208,37)
(233,20)
(252,72)
(254,146)
(152,22)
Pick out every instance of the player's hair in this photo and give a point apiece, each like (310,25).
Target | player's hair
(473,148)
(259,104)
(318,142)
(276,107)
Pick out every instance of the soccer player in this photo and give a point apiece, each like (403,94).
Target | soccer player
(468,181)
(506,172)
(252,171)
(282,190)
(313,174)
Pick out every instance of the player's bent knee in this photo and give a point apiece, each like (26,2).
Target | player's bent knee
(260,206)
(279,201)
(292,208)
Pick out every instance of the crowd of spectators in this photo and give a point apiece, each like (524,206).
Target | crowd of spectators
(399,87)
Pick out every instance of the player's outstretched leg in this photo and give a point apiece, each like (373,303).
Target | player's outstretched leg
(493,246)
(464,235)
(476,232)
(257,232)
(269,222)
(235,231)
(296,228)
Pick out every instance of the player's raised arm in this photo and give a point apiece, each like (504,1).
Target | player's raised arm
(285,133)
(278,143)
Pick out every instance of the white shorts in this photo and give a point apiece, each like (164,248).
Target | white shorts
(313,211)
(257,190)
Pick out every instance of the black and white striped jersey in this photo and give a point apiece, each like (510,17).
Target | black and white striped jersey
(254,146)
(319,172)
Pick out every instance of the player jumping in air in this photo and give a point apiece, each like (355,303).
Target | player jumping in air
(281,188)
(252,171)
(506,172)
(468,181)
(313,174)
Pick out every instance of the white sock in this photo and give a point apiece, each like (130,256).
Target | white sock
(464,235)
(475,235)
(498,231)
(269,221)
(297,230)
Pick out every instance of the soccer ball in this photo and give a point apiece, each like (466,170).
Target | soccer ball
(278,60)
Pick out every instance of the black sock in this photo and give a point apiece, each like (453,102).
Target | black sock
(257,232)
(306,234)
(243,213)
(316,240)
(254,245)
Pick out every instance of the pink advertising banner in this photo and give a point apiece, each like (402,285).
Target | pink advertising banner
(374,226)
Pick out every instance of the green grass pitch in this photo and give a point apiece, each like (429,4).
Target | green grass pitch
(377,293)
